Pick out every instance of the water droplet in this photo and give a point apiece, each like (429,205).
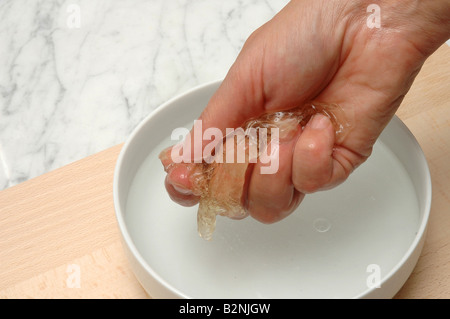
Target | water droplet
(322,225)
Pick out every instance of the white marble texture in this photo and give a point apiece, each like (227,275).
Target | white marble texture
(72,85)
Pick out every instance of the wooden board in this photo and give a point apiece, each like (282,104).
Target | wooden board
(59,236)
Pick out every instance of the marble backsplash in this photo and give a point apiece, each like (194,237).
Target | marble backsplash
(76,77)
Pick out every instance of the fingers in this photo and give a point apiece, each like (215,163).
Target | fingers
(313,163)
(230,106)
(272,197)
(178,180)
(179,194)
(318,163)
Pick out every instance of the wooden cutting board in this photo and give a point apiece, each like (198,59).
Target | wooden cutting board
(59,237)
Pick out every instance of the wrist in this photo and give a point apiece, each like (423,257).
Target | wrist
(425,24)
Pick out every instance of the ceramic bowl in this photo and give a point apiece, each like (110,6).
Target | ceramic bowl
(361,239)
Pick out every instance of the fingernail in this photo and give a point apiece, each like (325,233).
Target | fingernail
(319,122)
(182,190)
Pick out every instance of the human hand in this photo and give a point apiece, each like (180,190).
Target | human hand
(324,51)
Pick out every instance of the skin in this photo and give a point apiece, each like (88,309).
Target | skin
(321,50)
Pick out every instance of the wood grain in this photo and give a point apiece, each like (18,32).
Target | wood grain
(66,217)
(431,277)
(426,112)
(61,218)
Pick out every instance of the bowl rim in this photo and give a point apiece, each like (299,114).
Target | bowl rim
(126,237)
(423,223)
(128,241)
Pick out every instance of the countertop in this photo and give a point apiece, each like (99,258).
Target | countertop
(58,233)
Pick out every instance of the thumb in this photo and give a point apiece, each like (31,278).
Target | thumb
(318,164)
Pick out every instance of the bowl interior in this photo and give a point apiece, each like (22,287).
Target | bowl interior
(330,247)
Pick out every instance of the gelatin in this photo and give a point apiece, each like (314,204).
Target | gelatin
(220,183)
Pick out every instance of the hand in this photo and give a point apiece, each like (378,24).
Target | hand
(324,51)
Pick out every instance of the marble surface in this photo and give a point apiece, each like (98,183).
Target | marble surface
(76,77)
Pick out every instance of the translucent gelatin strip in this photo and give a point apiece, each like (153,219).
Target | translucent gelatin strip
(221,185)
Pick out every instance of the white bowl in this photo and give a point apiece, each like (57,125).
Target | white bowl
(359,240)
